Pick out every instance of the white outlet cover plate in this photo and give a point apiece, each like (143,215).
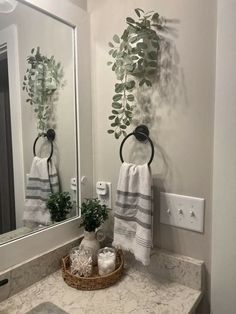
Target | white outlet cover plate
(182,211)
(107,198)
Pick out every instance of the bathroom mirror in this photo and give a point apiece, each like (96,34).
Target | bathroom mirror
(37,94)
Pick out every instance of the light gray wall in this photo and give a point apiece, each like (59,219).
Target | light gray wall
(81,3)
(224,183)
(181,121)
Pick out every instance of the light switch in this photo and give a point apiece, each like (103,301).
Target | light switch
(182,211)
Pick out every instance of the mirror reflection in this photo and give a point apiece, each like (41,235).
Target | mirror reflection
(38,159)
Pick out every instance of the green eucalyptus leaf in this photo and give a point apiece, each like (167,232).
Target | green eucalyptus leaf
(119,87)
(116,105)
(123,126)
(111,117)
(137,12)
(151,72)
(114,124)
(133,39)
(117,97)
(155,44)
(142,82)
(125,35)
(130,85)
(120,54)
(124,133)
(141,53)
(116,39)
(109,63)
(115,112)
(110,131)
(130,97)
(128,114)
(111,45)
(148,83)
(142,45)
(130,20)
(114,54)
(117,121)
(117,135)
(152,55)
(155,17)
(129,67)
(152,64)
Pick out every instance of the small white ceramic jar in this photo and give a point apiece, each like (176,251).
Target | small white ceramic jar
(106,261)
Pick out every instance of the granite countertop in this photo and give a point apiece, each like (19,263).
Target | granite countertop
(137,292)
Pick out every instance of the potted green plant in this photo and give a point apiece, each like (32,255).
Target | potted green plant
(93,214)
(59,205)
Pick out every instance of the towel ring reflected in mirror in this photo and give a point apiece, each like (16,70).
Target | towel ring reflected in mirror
(50,135)
(142,134)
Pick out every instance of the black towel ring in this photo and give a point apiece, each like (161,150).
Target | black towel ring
(50,135)
(142,134)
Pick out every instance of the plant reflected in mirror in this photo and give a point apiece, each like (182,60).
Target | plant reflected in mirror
(42,79)
(59,205)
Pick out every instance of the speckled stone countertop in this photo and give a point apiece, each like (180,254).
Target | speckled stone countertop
(137,292)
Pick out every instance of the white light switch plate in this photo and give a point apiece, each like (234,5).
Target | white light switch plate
(182,211)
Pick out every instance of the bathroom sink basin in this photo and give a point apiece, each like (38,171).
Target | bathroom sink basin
(46,308)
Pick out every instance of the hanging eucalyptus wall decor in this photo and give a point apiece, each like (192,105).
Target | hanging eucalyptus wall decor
(42,79)
(135,63)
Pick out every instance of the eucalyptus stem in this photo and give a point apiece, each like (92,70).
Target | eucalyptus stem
(135,64)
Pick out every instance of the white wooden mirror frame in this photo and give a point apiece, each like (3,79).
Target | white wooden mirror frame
(40,242)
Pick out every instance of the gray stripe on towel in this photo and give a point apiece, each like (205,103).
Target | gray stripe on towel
(134,194)
(42,180)
(146,244)
(36,188)
(125,232)
(134,206)
(41,183)
(143,241)
(144,225)
(33,197)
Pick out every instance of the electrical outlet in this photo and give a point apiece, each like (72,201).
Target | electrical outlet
(104,193)
(182,211)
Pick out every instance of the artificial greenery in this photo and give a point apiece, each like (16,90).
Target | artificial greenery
(43,77)
(93,214)
(59,205)
(135,64)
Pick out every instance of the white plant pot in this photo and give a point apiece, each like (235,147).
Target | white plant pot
(91,243)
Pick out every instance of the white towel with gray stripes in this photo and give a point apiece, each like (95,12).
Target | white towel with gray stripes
(133,211)
(42,181)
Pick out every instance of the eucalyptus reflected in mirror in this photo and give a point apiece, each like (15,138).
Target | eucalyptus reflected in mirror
(37,96)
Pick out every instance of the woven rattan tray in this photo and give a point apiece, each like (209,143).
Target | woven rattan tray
(96,281)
